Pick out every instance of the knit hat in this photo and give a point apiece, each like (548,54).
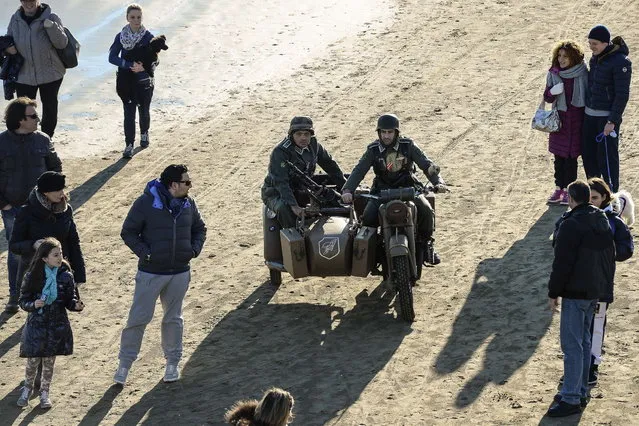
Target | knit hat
(51,182)
(601,33)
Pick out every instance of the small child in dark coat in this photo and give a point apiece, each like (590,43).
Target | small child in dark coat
(48,290)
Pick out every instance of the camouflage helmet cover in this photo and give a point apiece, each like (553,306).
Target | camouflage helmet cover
(301,123)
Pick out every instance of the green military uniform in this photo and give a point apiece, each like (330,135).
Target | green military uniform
(280,185)
(394,167)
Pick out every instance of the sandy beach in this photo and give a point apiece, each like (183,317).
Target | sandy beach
(465,79)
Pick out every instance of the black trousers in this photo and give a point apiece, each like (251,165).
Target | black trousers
(425,216)
(565,171)
(601,159)
(49,101)
(144,95)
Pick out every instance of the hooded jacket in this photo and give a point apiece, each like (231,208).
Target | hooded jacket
(38,47)
(609,80)
(23,158)
(165,233)
(584,264)
(35,221)
(48,333)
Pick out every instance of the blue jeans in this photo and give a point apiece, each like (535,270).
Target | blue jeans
(13,260)
(574,333)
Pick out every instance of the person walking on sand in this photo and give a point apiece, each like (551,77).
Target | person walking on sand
(25,153)
(134,85)
(48,214)
(566,85)
(582,269)
(48,291)
(37,32)
(275,409)
(606,99)
(165,231)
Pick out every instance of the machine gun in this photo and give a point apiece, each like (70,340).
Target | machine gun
(318,193)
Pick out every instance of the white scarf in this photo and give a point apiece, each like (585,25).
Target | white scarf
(129,39)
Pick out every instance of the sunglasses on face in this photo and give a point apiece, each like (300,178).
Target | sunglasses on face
(185,182)
(32,116)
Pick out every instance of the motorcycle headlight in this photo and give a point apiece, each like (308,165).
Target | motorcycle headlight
(397,214)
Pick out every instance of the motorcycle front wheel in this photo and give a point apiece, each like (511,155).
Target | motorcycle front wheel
(401,277)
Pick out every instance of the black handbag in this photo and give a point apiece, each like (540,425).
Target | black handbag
(69,54)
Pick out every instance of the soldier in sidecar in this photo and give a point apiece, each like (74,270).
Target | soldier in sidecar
(283,192)
(393,160)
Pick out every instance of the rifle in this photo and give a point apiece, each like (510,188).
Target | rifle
(315,190)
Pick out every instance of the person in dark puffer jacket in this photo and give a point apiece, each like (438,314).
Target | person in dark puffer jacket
(25,153)
(608,92)
(48,291)
(582,269)
(47,214)
(275,409)
(165,231)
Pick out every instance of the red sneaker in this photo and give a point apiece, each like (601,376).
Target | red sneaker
(555,197)
(564,198)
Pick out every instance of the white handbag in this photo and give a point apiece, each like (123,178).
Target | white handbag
(546,120)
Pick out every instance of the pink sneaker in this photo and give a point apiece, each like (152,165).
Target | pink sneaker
(564,198)
(555,197)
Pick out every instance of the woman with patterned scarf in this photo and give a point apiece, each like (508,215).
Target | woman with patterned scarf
(134,85)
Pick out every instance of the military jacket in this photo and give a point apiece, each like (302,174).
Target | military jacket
(394,166)
(281,180)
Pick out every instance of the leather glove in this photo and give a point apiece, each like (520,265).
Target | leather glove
(440,188)
(347,197)
(557,89)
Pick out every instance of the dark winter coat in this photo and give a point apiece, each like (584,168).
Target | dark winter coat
(127,82)
(566,143)
(609,80)
(394,166)
(11,65)
(624,247)
(243,414)
(282,182)
(164,239)
(35,221)
(23,158)
(584,264)
(49,333)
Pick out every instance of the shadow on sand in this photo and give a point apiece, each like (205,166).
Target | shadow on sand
(507,305)
(325,357)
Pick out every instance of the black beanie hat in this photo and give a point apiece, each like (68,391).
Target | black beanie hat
(51,182)
(601,33)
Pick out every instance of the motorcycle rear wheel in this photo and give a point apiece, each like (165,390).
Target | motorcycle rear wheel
(275,276)
(401,276)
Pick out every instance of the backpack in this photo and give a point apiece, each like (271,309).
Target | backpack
(69,54)
(624,245)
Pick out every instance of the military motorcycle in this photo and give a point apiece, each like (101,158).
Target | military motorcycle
(329,240)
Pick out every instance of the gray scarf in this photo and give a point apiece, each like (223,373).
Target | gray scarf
(129,39)
(580,75)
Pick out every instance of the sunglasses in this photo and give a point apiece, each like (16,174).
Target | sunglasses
(32,116)
(185,182)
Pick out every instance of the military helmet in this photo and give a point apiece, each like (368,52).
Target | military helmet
(388,121)
(301,123)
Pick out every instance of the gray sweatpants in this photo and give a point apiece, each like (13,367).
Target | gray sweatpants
(171,289)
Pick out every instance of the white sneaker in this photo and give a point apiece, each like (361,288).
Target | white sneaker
(45,402)
(23,401)
(120,375)
(171,374)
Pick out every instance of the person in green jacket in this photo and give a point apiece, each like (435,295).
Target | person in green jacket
(282,188)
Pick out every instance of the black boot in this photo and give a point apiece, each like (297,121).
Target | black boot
(430,255)
(12,305)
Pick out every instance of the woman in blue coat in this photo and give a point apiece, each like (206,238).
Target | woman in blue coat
(133,84)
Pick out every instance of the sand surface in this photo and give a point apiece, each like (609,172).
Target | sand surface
(465,78)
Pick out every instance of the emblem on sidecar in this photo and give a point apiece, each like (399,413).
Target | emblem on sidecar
(329,247)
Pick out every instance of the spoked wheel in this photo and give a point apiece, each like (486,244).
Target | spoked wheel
(275,277)
(401,278)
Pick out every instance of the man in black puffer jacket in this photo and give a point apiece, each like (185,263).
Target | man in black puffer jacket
(606,98)
(165,231)
(583,268)
(25,153)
